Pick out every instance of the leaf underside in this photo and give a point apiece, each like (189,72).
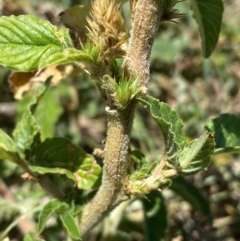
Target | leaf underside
(208,15)
(197,154)
(170,125)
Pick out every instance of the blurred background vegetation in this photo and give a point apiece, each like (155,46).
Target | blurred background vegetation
(199,89)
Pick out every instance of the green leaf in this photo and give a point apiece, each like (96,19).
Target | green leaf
(26,41)
(8,148)
(139,158)
(192,194)
(226,131)
(123,90)
(208,15)
(27,130)
(170,125)
(155,216)
(60,156)
(31,237)
(70,225)
(141,165)
(49,103)
(65,57)
(88,173)
(53,170)
(196,155)
(48,210)
(59,152)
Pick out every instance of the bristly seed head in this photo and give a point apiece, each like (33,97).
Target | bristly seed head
(106,28)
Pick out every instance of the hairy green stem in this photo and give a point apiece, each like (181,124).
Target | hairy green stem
(111,192)
(147,18)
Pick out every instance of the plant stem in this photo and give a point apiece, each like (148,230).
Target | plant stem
(111,192)
(147,18)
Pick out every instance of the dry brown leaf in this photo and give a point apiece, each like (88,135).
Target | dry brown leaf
(22,82)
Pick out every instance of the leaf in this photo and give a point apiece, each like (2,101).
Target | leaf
(31,237)
(27,130)
(141,165)
(226,131)
(192,194)
(20,83)
(88,174)
(53,170)
(170,125)
(65,57)
(58,152)
(8,148)
(26,41)
(48,112)
(196,155)
(155,216)
(48,210)
(50,102)
(208,15)
(70,224)
(26,82)
(58,155)
(139,158)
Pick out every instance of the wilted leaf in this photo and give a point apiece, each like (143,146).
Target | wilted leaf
(155,216)
(192,194)
(208,15)
(20,83)
(226,131)
(57,73)
(23,82)
(196,155)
